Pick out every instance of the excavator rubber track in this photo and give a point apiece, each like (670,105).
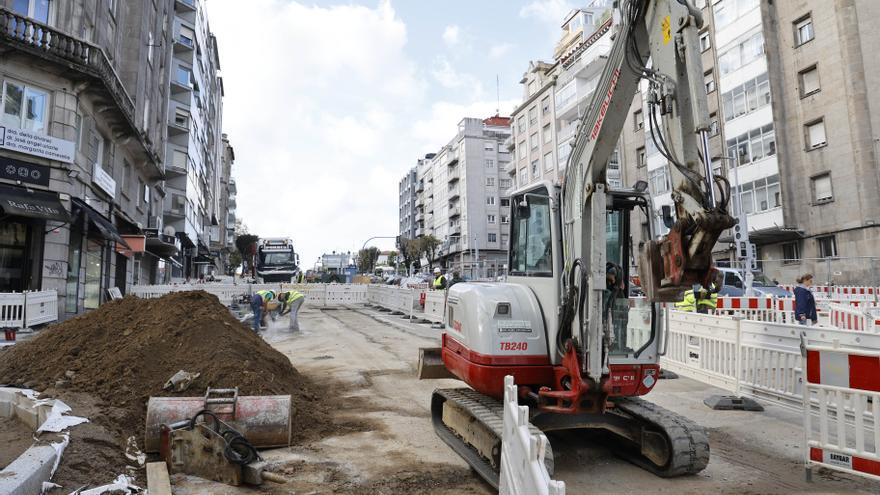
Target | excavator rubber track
(687,441)
(487,412)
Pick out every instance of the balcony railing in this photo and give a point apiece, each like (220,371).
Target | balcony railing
(454,212)
(45,42)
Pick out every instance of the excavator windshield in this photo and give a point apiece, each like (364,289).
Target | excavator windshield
(531,249)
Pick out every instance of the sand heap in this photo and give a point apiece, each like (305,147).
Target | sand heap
(124,352)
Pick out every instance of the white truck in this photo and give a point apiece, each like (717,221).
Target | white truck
(276,260)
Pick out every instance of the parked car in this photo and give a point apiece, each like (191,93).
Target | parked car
(734,285)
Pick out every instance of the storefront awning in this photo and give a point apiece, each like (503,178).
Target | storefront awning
(42,205)
(107,230)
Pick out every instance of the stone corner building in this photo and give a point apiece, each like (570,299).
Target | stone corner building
(83,133)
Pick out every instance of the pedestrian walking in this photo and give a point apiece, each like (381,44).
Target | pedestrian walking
(804,302)
(290,303)
(260,305)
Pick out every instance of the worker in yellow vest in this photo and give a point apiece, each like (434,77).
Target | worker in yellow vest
(703,302)
(260,306)
(439,280)
(290,303)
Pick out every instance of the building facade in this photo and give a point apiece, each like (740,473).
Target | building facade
(85,92)
(407,200)
(225,241)
(462,198)
(191,210)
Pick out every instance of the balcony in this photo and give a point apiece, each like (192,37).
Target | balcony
(454,211)
(183,45)
(420,187)
(420,232)
(185,5)
(455,230)
(420,216)
(453,175)
(68,54)
(454,193)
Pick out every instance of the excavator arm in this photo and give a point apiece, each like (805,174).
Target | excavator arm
(664,32)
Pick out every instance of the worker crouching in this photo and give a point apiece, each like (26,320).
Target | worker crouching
(698,299)
(290,303)
(260,306)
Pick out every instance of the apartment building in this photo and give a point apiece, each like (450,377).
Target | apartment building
(462,198)
(225,242)
(407,202)
(194,148)
(81,157)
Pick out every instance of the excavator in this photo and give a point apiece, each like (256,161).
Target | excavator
(581,350)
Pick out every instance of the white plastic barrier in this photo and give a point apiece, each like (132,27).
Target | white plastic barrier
(849,317)
(842,411)
(41,307)
(758,308)
(317,295)
(759,359)
(12,307)
(435,306)
(522,454)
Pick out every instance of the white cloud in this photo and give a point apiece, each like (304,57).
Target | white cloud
(439,127)
(451,35)
(450,78)
(307,110)
(548,11)
(500,50)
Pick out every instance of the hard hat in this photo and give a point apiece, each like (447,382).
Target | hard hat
(436,270)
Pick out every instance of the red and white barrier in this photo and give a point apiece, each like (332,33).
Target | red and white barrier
(842,411)
(757,308)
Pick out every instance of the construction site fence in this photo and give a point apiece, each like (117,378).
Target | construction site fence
(754,358)
(840,271)
(27,309)
(842,410)
(317,295)
(523,471)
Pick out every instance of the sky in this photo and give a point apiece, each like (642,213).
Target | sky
(328,104)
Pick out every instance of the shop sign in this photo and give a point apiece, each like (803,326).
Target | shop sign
(103,180)
(17,170)
(36,144)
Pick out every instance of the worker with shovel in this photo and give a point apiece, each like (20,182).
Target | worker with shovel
(290,303)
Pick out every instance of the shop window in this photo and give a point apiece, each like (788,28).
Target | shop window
(94,273)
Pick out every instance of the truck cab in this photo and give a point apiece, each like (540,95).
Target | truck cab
(276,260)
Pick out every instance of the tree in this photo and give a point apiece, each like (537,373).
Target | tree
(429,245)
(410,251)
(367,259)
(392,258)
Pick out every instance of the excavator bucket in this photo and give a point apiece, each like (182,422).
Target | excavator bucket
(431,364)
(666,271)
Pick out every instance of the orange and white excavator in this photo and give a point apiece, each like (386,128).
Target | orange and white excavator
(580,349)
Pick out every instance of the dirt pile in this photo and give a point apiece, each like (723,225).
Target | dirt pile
(124,352)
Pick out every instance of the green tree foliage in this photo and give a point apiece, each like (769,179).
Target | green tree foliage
(367,259)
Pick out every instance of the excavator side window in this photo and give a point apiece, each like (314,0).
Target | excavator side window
(531,246)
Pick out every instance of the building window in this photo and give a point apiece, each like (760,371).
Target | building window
(815,134)
(532,88)
(753,145)
(761,195)
(535,168)
(714,128)
(727,11)
(505,219)
(545,105)
(548,136)
(640,157)
(827,246)
(533,116)
(523,176)
(791,253)
(742,54)
(533,140)
(504,239)
(659,180)
(746,98)
(489,146)
(504,184)
(493,237)
(638,120)
(705,42)
(523,151)
(521,123)
(822,191)
(803,30)
(709,81)
(809,81)
(490,181)
(181,117)
(35,9)
(490,218)
(490,163)
(24,107)
(490,200)
(548,161)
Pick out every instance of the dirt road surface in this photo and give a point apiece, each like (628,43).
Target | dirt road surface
(386,445)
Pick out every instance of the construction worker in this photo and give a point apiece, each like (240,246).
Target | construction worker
(300,277)
(439,280)
(456,278)
(704,300)
(290,303)
(260,306)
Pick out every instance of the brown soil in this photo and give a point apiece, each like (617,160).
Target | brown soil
(107,363)
(15,438)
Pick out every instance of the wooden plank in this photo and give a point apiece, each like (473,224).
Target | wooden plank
(158,481)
